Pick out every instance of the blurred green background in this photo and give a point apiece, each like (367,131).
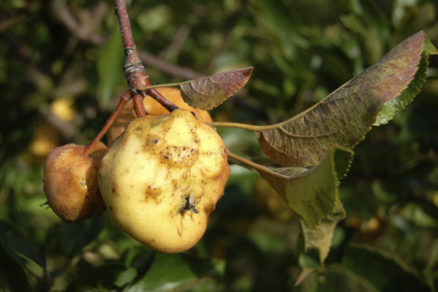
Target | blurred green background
(60,78)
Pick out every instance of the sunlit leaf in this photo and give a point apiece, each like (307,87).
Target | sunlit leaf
(209,92)
(346,115)
(311,193)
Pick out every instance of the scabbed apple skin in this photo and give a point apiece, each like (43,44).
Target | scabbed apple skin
(70,181)
(154,108)
(157,168)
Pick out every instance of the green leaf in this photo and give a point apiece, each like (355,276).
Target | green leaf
(109,67)
(317,241)
(311,193)
(415,52)
(347,114)
(307,262)
(276,18)
(87,276)
(385,271)
(320,237)
(12,275)
(20,249)
(173,272)
(125,277)
(209,92)
(75,236)
(139,257)
(339,278)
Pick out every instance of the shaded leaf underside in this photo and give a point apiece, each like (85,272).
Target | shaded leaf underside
(311,193)
(347,114)
(323,135)
(209,92)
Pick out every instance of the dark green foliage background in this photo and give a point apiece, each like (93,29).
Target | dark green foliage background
(301,51)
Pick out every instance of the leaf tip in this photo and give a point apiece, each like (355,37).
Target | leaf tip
(247,71)
(303,275)
(429,46)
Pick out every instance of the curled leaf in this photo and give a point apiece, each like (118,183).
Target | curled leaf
(312,193)
(209,92)
(347,114)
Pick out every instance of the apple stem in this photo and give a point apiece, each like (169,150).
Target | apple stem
(170,106)
(139,105)
(135,73)
(256,166)
(123,100)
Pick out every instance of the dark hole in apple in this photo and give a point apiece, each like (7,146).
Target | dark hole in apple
(190,204)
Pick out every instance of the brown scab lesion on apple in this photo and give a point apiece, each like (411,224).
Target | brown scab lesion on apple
(153,193)
(164,154)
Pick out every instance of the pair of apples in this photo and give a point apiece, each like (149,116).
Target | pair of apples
(159,180)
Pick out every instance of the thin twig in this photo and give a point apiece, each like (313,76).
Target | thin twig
(125,25)
(135,73)
(139,105)
(234,125)
(123,100)
(170,106)
(256,166)
(177,43)
(40,80)
(94,16)
(82,30)
(168,68)
(230,24)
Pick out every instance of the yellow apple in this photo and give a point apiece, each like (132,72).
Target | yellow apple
(154,108)
(161,179)
(45,138)
(70,181)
